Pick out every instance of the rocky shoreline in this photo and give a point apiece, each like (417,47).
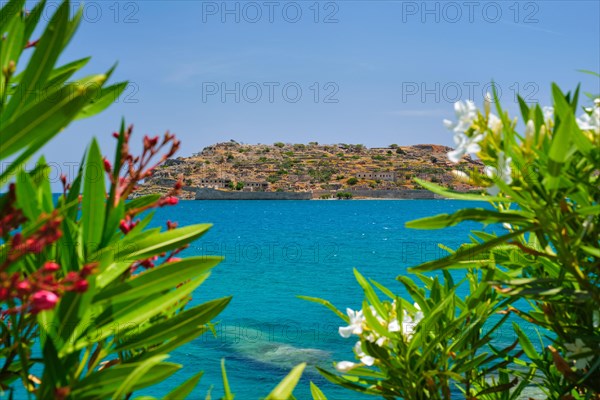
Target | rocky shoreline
(213,194)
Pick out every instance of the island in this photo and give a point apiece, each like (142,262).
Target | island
(286,171)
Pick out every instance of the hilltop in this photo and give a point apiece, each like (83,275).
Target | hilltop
(308,167)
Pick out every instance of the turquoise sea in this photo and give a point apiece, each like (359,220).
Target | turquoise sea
(276,250)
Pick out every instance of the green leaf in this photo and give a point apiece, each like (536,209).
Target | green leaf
(132,313)
(54,372)
(93,201)
(591,251)
(183,391)
(159,279)
(8,10)
(226,388)
(12,45)
(524,109)
(326,304)
(107,96)
(142,201)
(369,293)
(162,242)
(73,195)
(27,197)
(468,253)
(18,164)
(526,343)
(32,19)
(442,191)
(284,389)
(317,394)
(73,25)
(175,343)
(41,64)
(59,75)
(115,216)
(44,191)
(468,214)
(178,325)
(104,383)
(561,144)
(42,121)
(136,375)
(156,280)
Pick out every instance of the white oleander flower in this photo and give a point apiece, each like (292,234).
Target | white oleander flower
(530,129)
(504,172)
(464,145)
(494,123)
(376,315)
(466,112)
(345,366)
(548,115)
(364,358)
(587,122)
(577,348)
(356,324)
(394,326)
(408,324)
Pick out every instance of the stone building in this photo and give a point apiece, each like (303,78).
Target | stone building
(256,186)
(215,183)
(382,175)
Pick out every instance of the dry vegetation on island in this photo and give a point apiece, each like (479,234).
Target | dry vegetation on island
(309,167)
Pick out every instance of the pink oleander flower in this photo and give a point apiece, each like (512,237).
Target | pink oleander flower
(43,300)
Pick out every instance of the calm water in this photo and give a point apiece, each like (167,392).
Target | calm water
(276,250)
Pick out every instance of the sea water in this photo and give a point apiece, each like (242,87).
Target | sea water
(277,250)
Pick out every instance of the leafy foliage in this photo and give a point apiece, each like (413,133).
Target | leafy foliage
(544,188)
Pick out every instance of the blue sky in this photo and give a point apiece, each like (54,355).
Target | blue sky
(370,72)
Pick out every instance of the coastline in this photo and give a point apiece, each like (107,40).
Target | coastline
(214,194)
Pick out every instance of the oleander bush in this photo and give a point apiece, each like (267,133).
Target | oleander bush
(539,267)
(92,299)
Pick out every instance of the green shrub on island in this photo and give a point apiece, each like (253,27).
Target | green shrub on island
(344,195)
(540,268)
(352,181)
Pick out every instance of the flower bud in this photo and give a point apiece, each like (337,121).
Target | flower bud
(23,287)
(80,286)
(43,300)
(51,267)
(171,225)
(107,166)
(125,226)
(87,270)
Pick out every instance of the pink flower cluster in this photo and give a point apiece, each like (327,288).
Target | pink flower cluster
(140,167)
(42,289)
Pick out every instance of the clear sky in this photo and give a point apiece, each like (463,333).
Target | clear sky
(370,72)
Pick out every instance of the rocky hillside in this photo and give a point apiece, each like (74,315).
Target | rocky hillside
(308,167)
